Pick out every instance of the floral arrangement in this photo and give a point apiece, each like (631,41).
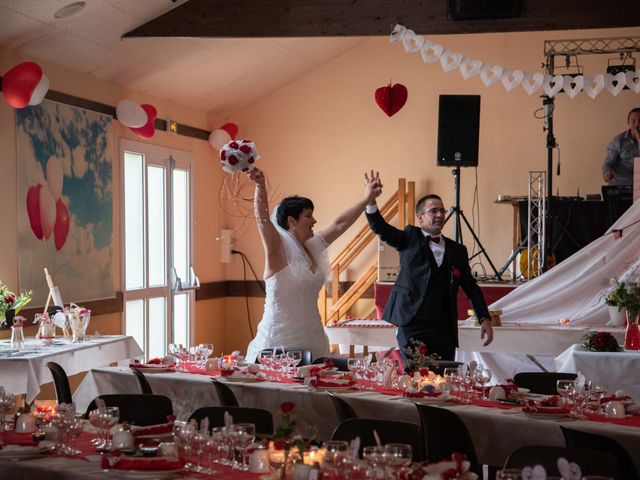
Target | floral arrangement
(418,357)
(285,437)
(600,342)
(625,291)
(9,301)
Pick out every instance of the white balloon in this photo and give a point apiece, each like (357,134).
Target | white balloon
(55,176)
(47,212)
(40,91)
(218,138)
(131,114)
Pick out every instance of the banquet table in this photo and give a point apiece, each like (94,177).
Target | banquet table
(23,372)
(496,432)
(619,370)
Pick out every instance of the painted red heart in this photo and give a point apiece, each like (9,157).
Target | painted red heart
(391,98)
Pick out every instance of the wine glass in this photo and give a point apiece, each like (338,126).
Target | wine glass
(352,366)
(563,387)
(397,456)
(294,358)
(483,376)
(7,401)
(242,435)
(336,452)
(598,390)
(374,456)
(173,349)
(206,349)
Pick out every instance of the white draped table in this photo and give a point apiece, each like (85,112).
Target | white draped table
(495,432)
(23,372)
(619,370)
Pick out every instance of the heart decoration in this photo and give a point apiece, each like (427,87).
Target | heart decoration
(391,98)
(412,42)
(431,52)
(450,60)
(511,78)
(552,85)
(570,471)
(534,473)
(572,85)
(469,67)
(490,74)
(620,79)
(593,85)
(397,33)
(531,83)
(633,81)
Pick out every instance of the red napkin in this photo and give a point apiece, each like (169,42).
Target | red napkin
(125,463)
(326,382)
(21,439)
(153,429)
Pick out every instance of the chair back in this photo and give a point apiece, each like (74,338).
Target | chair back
(142,381)
(138,408)
(226,397)
(594,441)
(61,382)
(342,407)
(542,382)
(444,434)
(262,419)
(389,431)
(591,462)
(339,362)
(306,354)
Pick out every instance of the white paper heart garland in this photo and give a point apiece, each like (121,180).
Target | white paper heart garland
(432,52)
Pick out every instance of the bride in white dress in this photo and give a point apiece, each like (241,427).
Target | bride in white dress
(296,267)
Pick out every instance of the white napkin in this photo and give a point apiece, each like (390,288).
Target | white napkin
(354,447)
(228,419)
(581,381)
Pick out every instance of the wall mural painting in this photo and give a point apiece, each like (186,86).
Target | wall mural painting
(65,202)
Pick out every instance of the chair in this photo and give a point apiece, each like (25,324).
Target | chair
(138,408)
(142,381)
(594,441)
(61,382)
(262,419)
(306,354)
(591,462)
(541,382)
(342,407)
(389,431)
(445,433)
(339,362)
(226,397)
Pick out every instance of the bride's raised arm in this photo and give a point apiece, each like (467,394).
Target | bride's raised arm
(274,257)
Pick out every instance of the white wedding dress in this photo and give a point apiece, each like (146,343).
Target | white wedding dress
(291,318)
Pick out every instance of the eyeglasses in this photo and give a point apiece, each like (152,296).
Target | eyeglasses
(434,211)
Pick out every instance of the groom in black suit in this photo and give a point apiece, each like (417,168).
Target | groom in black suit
(423,301)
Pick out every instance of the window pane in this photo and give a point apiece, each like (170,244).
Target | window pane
(134,313)
(180,318)
(157,327)
(157,234)
(134,220)
(181,223)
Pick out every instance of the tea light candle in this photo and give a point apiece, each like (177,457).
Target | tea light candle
(314,455)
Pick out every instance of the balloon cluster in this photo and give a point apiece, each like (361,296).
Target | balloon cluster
(25,84)
(45,207)
(238,156)
(139,118)
(223,135)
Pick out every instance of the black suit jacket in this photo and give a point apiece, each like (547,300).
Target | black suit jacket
(411,285)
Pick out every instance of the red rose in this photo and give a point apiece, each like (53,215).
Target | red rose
(422,350)
(450,474)
(287,407)
(456,273)
(9,299)
(233,145)
(278,443)
(424,372)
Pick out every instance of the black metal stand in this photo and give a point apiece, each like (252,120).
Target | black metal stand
(548,106)
(458,213)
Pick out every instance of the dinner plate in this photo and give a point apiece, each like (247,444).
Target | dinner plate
(148,369)
(546,415)
(334,389)
(231,378)
(430,400)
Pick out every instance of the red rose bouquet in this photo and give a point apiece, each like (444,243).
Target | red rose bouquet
(600,342)
(418,357)
(10,304)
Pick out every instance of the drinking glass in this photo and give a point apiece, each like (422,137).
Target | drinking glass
(206,349)
(7,401)
(598,390)
(243,435)
(74,427)
(294,358)
(110,417)
(352,365)
(265,359)
(451,375)
(173,349)
(580,396)
(336,452)
(374,456)
(564,387)
(483,377)
(397,457)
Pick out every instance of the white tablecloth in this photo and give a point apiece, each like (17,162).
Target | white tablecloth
(619,370)
(495,432)
(25,373)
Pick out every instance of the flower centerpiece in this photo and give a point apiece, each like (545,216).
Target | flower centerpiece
(600,342)
(11,304)
(285,446)
(418,357)
(625,293)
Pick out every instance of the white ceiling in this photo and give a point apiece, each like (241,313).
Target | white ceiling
(220,76)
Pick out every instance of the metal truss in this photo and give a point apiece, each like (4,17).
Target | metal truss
(591,46)
(536,224)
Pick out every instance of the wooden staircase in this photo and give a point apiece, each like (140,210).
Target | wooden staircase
(336,307)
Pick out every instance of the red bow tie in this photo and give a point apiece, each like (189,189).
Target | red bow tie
(433,239)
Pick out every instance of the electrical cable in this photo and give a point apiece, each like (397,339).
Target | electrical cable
(245,262)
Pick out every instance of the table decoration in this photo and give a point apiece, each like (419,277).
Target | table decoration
(455,469)
(418,357)
(600,342)
(624,293)
(11,304)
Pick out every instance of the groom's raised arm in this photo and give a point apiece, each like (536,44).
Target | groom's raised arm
(396,238)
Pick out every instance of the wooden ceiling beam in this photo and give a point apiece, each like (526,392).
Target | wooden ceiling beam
(319,18)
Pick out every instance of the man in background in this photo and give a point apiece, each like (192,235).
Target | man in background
(617,168)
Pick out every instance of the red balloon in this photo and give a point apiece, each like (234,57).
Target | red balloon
(231,129)
(148,129)
(33,210)
(61,229)
(19,83)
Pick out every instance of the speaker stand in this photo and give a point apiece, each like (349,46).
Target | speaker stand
(458,214)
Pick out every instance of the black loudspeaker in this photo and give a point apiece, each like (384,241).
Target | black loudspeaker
(458,130)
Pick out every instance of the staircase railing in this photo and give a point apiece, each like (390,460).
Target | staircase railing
(340,305)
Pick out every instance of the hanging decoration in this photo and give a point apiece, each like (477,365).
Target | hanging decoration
(219,138)
(148,129)
(391,98)
(131,114)
(231,129)
(510,79)
(25,84)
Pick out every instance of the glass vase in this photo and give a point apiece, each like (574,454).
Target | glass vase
(632,335)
